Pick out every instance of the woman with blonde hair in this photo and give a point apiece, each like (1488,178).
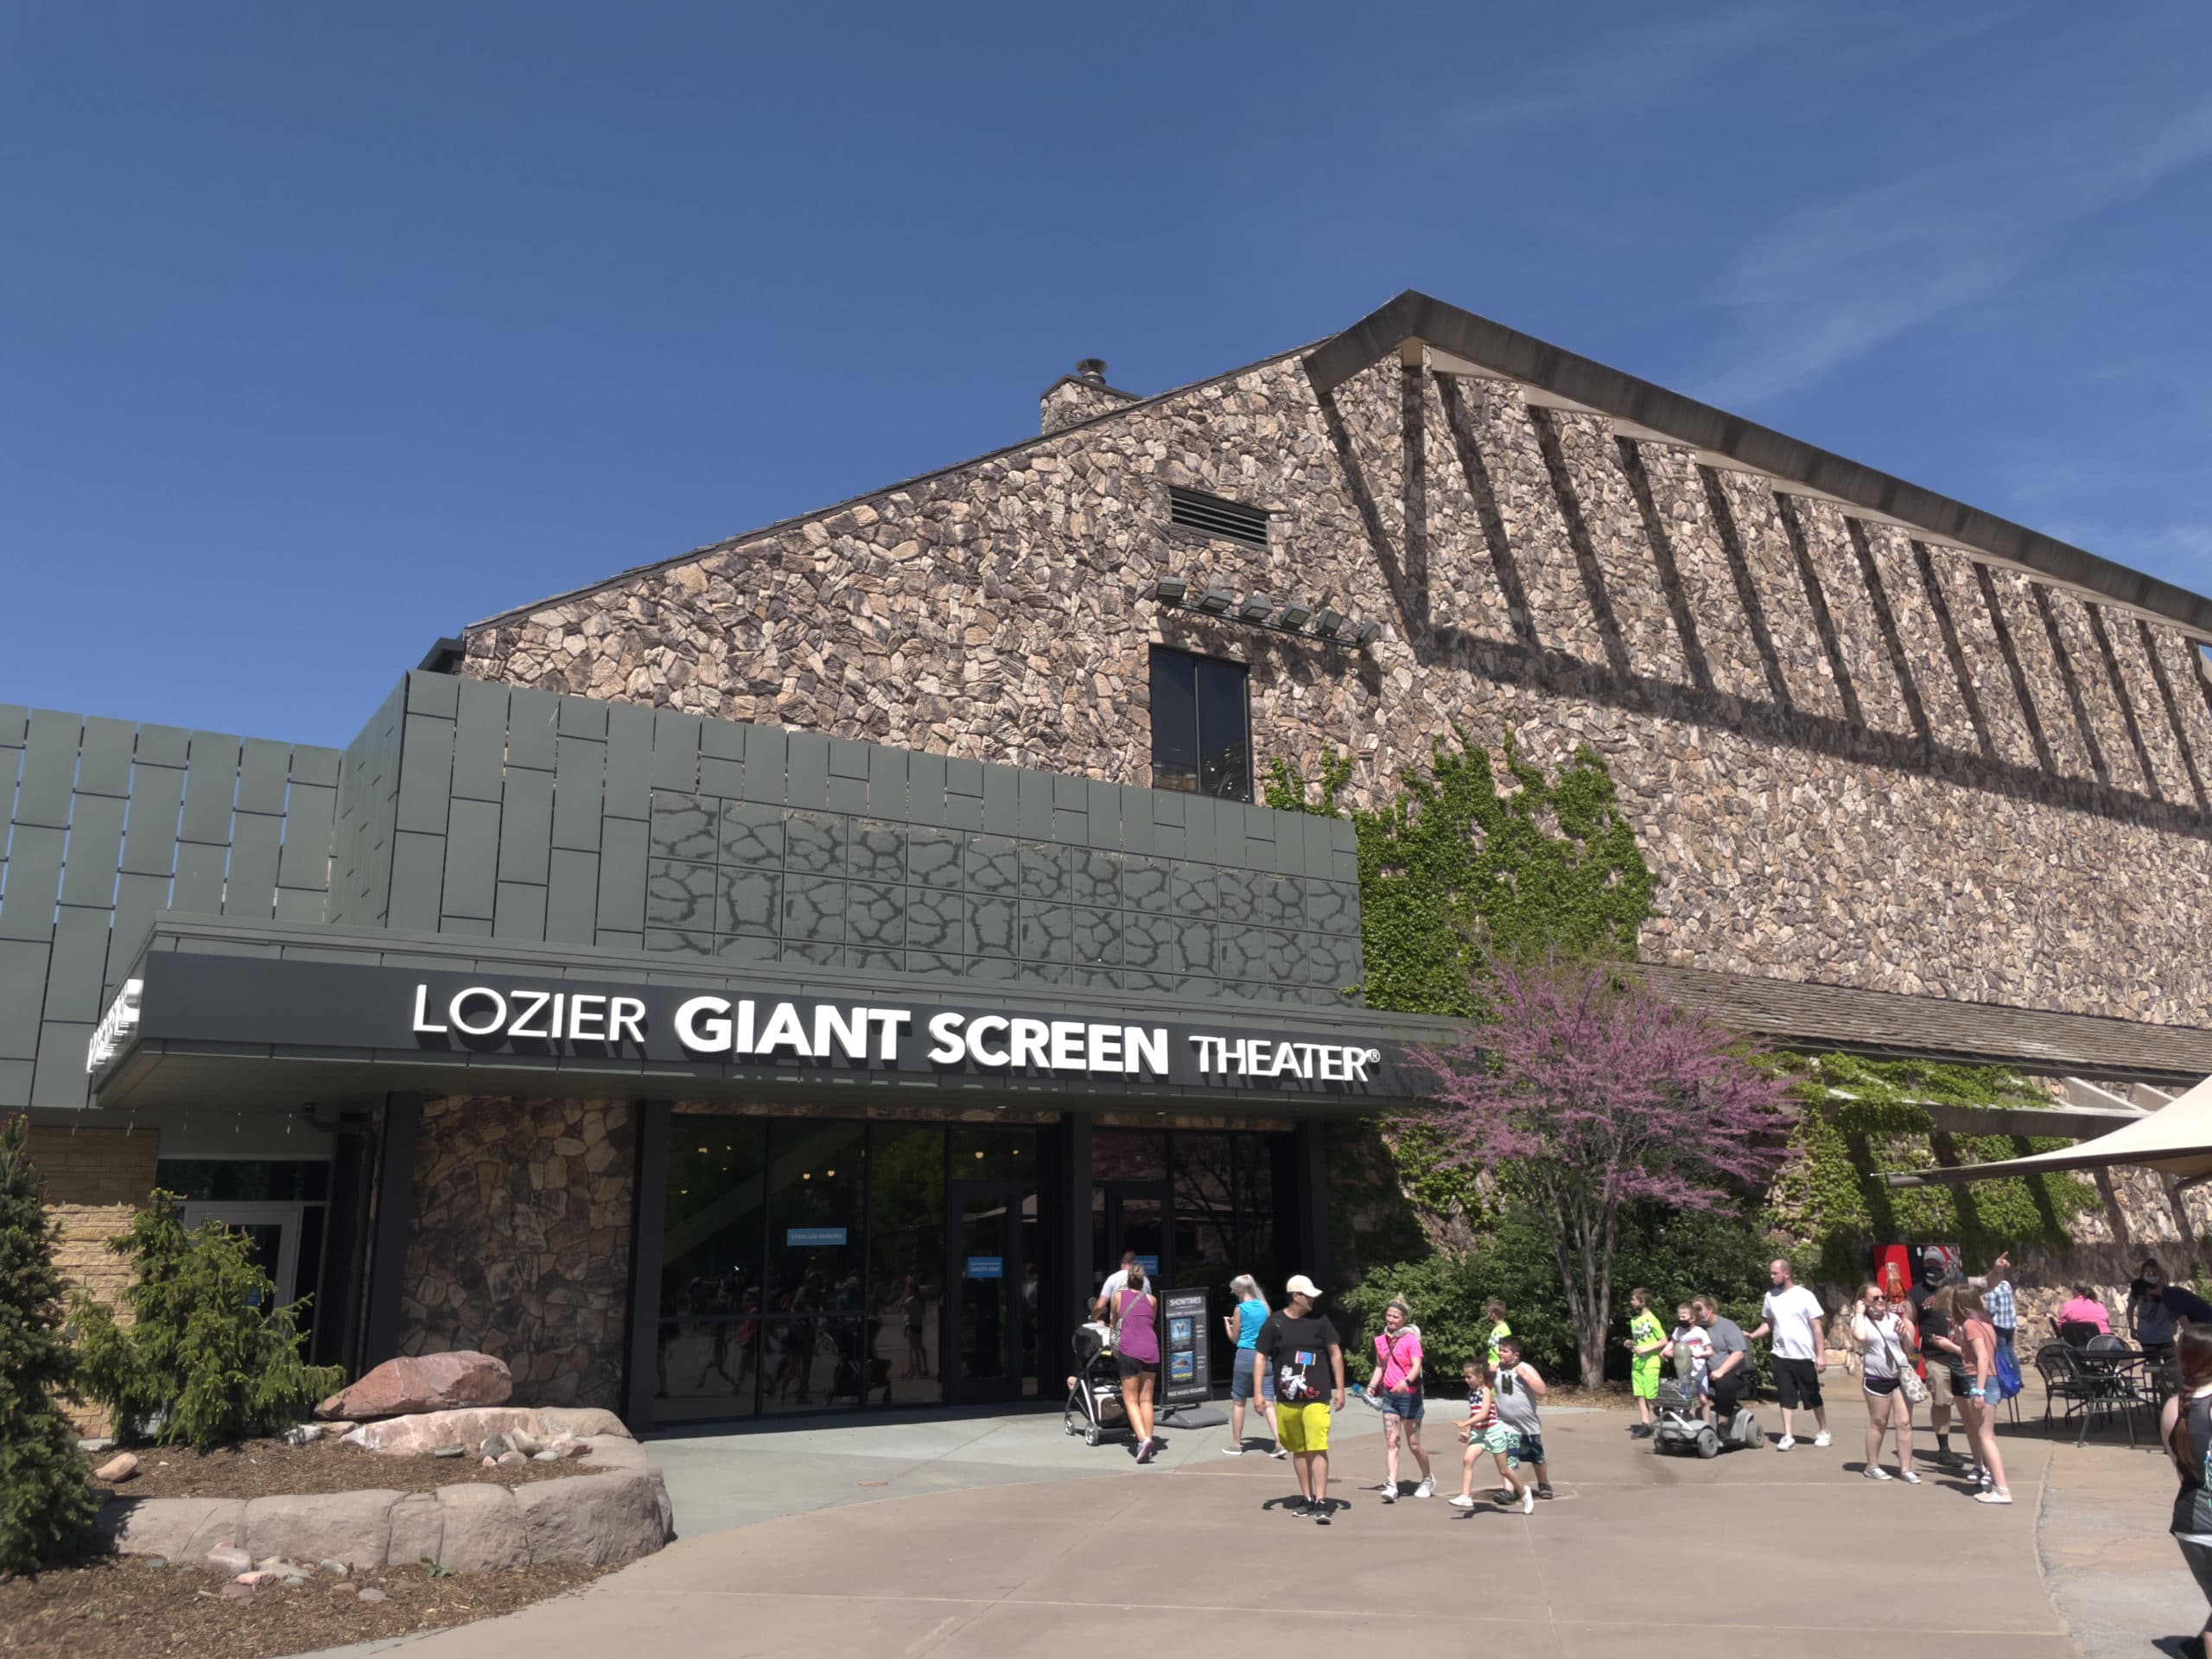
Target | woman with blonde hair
(1248,1380)
(1395,1389)
(1977,1340)
(1884,1335)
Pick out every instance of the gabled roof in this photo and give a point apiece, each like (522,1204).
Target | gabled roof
(1476,344)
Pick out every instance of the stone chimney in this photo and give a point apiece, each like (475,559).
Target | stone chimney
(1080,395)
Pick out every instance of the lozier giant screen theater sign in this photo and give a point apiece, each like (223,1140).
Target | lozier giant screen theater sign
(891,1036)
(394,1014)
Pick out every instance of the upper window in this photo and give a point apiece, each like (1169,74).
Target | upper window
(1201,726)
(1231,520)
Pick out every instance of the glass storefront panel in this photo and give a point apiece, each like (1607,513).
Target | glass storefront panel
(817,1174)
(712,1277)
(905,1226)
(993,1154)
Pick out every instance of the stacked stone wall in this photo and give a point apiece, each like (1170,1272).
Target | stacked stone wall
(520,1242)
(93,1181)
(1853,754)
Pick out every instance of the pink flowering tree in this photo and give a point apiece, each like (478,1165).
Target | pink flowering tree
(1584,1094)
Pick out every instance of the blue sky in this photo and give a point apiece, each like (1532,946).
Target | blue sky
(324,331)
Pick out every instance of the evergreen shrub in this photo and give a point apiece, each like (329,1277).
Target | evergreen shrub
(209,1358)
(45,1503)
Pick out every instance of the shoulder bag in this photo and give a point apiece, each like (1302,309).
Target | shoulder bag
(1909,1380)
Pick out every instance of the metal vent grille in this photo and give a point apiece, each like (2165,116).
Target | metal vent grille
(1231,520)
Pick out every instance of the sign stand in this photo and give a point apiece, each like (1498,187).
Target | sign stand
(1186,1359)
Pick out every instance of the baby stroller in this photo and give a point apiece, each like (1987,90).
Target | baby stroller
(1681,1429)
(1093,1407)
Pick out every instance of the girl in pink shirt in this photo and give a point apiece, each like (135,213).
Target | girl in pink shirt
(1395,1389)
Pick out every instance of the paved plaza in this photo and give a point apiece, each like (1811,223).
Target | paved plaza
(977,1537)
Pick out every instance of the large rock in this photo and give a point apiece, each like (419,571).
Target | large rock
(424,1382)
(483,1530)
(180,1529)
(350,1527)
(423,1432)
(596,1519)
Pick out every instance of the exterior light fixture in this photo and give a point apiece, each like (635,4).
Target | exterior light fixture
(1216,600)
(1328,623)
(1171,588)
(1297,615)
(1368,634)
(1255,608)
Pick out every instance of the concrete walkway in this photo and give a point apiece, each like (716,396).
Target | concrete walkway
(971,1539)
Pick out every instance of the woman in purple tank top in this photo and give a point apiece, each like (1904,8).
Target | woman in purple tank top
(1136,1355)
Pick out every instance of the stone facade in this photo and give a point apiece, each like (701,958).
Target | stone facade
(1852,754)
(93,1180)
(521,1241)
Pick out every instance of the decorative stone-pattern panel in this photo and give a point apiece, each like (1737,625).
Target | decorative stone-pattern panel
(520,1240)
(999,610)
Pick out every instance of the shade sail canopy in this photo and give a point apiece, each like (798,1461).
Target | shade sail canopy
(2176,1139)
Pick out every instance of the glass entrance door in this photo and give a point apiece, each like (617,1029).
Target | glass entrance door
(1136,1219)
(992,1346)
(274,1228)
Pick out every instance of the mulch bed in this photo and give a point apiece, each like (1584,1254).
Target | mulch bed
(272,1469)
(129,1609)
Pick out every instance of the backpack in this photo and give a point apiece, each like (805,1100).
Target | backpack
(2006,1380)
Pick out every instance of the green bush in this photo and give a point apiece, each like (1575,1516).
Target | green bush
(44,1501)
(1675,1253)
(208,1358)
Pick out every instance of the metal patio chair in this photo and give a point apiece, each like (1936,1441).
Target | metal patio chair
(2084,1388)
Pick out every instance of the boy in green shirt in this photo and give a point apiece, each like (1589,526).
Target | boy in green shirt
(1646,1338)
(1494,1310)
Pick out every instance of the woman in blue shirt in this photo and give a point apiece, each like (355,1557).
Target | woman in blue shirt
(1247,1373)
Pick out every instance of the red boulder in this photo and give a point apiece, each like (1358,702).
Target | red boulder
(424,1383)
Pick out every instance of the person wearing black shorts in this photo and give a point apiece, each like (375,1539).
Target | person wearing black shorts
(1791,1316)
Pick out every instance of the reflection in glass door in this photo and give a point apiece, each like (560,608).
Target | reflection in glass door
(993,1347)
(274,1230)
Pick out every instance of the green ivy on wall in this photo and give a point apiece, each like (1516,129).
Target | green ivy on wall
(1454,868)
(1866,1119)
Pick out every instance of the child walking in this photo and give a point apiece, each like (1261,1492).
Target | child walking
(1480,1432)
(1519,1392)
(1647,1340)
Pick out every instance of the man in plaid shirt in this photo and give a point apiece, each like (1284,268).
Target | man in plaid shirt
(1997,1299)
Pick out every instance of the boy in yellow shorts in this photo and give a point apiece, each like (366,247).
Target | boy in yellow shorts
(1302,1348)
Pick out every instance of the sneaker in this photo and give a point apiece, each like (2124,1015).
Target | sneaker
(1821,1438)
(1785,1443)
(1527,1500)
(1389,1490)
(1908,1477)
(1303,1507)
(1427,1487)
(1232,1451)
(1545,1491)
(1144,1452)
(1875,1471)
(1321,1513)
(1461,1501)
(1278,1453)
(1995,1494)
(1640,1432)
(1505,1494)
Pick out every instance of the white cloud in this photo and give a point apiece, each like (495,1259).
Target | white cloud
(1835,278)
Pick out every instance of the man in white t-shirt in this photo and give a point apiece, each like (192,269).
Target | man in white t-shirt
(1791,1315)
(1103,1307)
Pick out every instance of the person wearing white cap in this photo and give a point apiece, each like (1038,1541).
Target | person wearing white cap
(1308,1362)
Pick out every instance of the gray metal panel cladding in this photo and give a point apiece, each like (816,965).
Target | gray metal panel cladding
(148,818)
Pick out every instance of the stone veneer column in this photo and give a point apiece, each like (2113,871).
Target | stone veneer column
(521,1243)
(93,1181)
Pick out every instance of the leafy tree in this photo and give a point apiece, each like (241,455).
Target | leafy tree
(44,1501)
(208,1358)
(1586,1096)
